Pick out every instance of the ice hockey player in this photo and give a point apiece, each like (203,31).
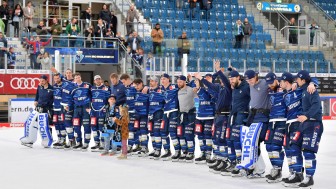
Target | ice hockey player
(239,113)
(100,94)
(186,126)
(130,93)
(307,135)
(141,115)
(204,121)
(277,123)
(155,115)
(82,97)
(170,118)
(222,110)
(58,117)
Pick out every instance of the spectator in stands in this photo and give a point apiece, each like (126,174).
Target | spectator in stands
(114,23)
(206,5)
(139,56)
(28,13)
(247,33)
(134,41)
(41,29)
(239,34)
(292,32)
(105,15)
(131,14)
(100,33)
(109,37)
(179,4)
(11,58)
(313,29)
(88,37)
(3,50)
(37,49)
(86,15)
(16,16)
(157,38)
(123,43)
(73,31)
(183,46)
(192,8)
(56,30)
(45,61)
(4,14)
(106,83)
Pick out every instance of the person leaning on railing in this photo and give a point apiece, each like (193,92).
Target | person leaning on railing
(73,31)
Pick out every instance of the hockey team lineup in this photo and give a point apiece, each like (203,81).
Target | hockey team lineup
(234,118)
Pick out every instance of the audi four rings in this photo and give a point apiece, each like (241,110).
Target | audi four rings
(24,83)
(1,84)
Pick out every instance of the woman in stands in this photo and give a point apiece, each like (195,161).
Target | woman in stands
(16,16)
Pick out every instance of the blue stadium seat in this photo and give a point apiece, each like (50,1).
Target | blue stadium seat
(187,24)
(204,25)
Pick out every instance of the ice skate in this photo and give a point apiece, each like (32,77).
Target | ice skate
(274,176)
(294,180)
(69,145)
(85,147)
(308,182)
(176,156)
(96,147)
(157,154)
(136,149)
(151,154)
(143,152)
(29,145)
(201,160)
(78,146)
(166,156)
(190,157)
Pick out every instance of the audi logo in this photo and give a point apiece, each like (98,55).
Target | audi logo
(1,84)
(24,83)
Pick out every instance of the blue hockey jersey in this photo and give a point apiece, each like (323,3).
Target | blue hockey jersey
(57,96)
(156,100)
(82,94)
(206,108)
(130,97)
(100,95)
(67,88)
(278,106)
(141,104)
(171,98)
(293,104)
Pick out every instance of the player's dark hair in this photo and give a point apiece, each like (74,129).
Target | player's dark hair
(138,81)
(124,76)
(77,74)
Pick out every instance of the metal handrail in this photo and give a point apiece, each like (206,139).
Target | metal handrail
(321,10)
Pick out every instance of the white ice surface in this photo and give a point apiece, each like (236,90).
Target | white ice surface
(40,168)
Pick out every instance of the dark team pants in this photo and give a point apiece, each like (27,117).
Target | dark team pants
(97,120)
(233,136)
(68,123)
(154,124)
(169,125)
(204,134)
(219,139)
(82,117)
(274,140)
(58,120)
(304,140)
(185,131)
(133,131)
(140,124)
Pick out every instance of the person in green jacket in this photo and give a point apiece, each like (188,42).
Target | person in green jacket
(56,30)
(2,26)
(73,31)
(292,32)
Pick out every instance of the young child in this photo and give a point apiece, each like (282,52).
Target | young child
(109,130)
(123,123)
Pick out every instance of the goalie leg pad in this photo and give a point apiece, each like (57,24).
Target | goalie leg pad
(43,124)
(30,128)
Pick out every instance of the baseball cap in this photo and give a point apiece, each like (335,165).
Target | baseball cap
(270,77)
(182,77)
(166,76)
(249,74)
(208,75)
(97,77)
(233,73)
(44,77)
(303,74)
(286,76)
(154,78)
